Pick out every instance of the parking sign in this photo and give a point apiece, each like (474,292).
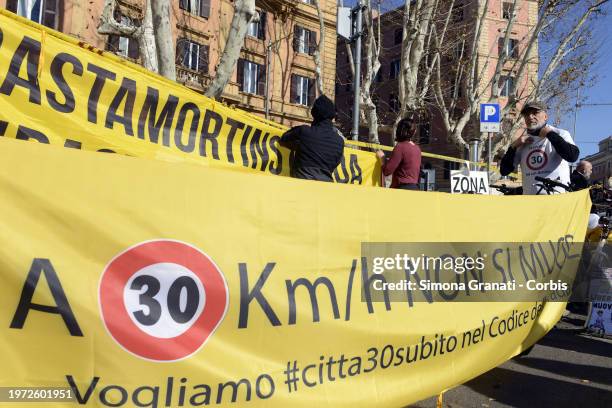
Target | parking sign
(489,117)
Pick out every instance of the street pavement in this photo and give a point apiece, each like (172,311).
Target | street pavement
(565,369)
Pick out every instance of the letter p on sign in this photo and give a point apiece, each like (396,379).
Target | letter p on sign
(489,111)
(489,117)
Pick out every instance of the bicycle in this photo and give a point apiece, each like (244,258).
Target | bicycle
(550,186)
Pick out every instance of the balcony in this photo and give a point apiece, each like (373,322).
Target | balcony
(192,79)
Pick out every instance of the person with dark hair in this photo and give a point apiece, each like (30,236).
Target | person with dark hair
(405,160)
(318,147)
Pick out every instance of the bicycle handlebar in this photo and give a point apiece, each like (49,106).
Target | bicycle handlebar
(552,183)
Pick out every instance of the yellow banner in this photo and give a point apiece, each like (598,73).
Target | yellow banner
(56,90)
(132,282)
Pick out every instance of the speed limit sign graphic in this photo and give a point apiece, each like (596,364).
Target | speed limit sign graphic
(537,159)
(161,300)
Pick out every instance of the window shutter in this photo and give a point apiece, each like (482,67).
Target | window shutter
(50,13)
(11,5)
(203,62)
(261,33)
(515,50)
(293,97)
(204,8)
(182,46)
(311,91)
(261,79)
(240,75)
(113,43)
(500,46)
(296,38)
(312,40)
(133,51)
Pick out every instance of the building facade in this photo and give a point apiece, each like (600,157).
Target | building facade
(433,135)
(275,75)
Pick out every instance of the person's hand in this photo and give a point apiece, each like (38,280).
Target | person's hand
(521,140)
(380,154)
(545,130)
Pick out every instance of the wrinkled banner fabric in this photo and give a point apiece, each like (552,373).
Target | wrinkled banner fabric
(137,282)
(56,90)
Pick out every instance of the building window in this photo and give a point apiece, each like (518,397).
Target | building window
(458,10)
(302,90)
(511,50)
(397,36)
(379,75)
(307,1)
(393,103)
(457,89)
(192,55)
(448,166)
(257,28)
(251,77)
(507,9)
(304,40)
(123,46)
(45,12)
(394,69)
(196,7)
(424,131)
(506,85)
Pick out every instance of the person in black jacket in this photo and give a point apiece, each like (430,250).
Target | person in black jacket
(543,151)
(318,147)
(580,177)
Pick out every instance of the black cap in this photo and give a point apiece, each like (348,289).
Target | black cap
(537,105)
(323,108)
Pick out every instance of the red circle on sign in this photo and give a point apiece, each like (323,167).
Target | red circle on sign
(123,329)
(544,159)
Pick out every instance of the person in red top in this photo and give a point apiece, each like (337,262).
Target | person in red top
(405,161)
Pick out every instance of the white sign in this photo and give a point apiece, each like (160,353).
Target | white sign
(473,182)
(600,319)
(344,22)
(489,117)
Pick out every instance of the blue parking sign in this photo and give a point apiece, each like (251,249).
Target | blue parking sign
(489,117)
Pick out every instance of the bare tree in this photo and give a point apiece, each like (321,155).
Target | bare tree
(244,13)
(142,33)
(564,59)
(318,53)
(163,37)
(417,25)
(372,65)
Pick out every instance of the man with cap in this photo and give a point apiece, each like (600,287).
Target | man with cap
(318,147)
(542,151)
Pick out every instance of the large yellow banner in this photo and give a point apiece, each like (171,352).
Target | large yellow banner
(132,282)
(56,90)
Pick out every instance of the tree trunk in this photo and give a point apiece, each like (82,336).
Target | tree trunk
(146,43)
(318,54)
(163,38)
(244,11)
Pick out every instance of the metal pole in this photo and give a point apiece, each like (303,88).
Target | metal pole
(489,153)
(267,100)
(357,80)
(489,161)
(576,113)
(474,143)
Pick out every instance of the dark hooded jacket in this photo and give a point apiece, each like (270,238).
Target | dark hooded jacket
(318,147)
